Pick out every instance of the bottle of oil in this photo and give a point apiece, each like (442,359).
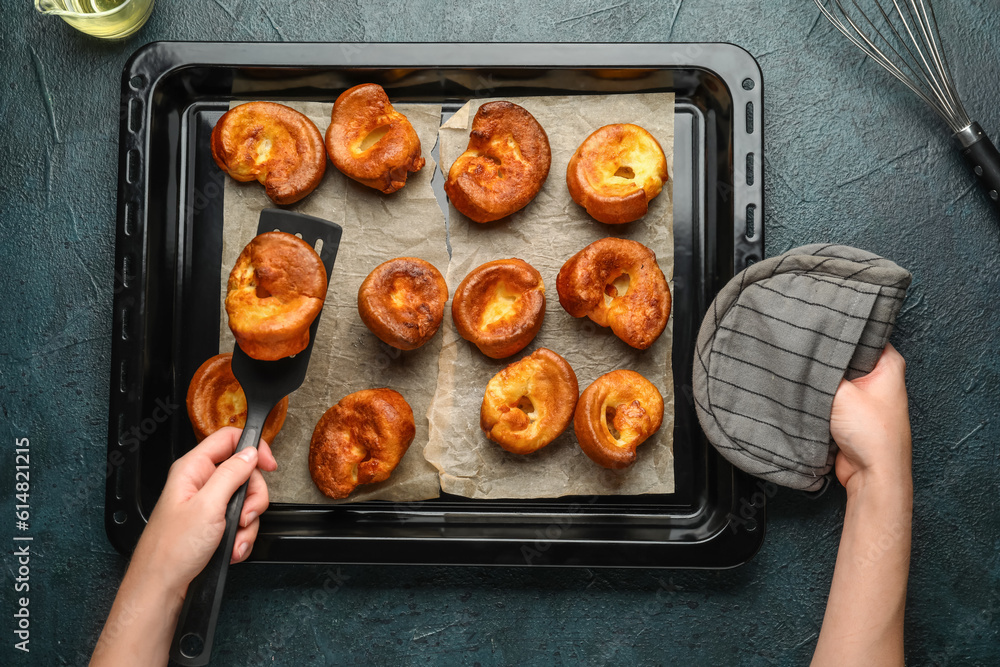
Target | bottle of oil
(107,19)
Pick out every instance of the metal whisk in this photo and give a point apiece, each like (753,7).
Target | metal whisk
(904,39)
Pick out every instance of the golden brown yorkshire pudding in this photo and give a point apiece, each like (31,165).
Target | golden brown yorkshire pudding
(402,302)
(530,402)
(616,414)
(370,141)
(275,291)
(215,399)
(360,440)
(616,172)
(505,165)
(273,144)
(617,284)
(500,306)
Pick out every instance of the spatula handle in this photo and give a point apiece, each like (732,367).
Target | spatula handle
(192,643)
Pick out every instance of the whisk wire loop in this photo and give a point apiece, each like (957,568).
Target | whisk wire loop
(945,91)
(908,45)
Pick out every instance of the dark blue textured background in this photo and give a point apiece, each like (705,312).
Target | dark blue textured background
(849,157)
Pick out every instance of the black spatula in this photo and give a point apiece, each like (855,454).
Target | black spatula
(264,383)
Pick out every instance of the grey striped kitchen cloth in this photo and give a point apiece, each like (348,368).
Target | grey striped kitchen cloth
(774,346)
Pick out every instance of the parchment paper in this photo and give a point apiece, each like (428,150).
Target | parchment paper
(346,357)
(545,234)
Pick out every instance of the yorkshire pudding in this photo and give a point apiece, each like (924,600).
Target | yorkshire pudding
(275,291)
(530,402)
(215,399)
(616,414)
(370,141)
(616,172)
(273,144)
(360,440)
(402,302)
(505,165)
(617,284)
(500,306)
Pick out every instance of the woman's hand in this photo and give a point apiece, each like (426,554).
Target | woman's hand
(871,425)
(183,532)
(190,517)
(864,615)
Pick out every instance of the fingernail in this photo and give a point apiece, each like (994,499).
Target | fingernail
(248,454)
(250,517)
(243,549)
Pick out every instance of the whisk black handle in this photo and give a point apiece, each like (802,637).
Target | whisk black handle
(983,158)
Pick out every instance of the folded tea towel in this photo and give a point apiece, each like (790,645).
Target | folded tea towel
(774,346)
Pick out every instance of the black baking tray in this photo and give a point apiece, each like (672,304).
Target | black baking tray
(166,300)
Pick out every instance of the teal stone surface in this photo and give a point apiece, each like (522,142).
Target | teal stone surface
(850,157)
